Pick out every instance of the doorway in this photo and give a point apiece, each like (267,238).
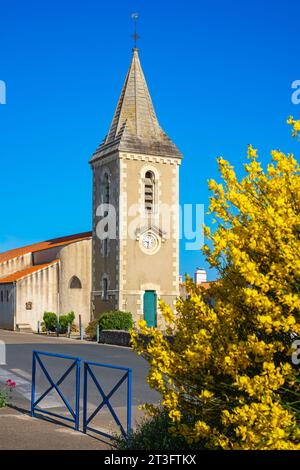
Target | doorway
(150,307)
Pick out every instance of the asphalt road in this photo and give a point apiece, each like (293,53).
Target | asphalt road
(19,347)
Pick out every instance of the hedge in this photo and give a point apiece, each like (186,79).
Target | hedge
(50,321)
(116,320)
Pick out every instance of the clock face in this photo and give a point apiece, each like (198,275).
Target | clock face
(149,242)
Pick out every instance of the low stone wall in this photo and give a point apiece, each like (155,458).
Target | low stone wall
(116,337)
(122,338)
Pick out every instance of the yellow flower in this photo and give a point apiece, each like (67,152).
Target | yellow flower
(226,378)
(206,395)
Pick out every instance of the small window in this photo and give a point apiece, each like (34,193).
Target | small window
(2,296)
(7,296)
(106,189)
(75,283)
(105,247)
(105,288)
(149,191)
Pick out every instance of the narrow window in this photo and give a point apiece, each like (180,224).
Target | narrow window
(7,296)
(105,247)
(149,191)
(75,283)
(106,189)
(2,296)
(105,288)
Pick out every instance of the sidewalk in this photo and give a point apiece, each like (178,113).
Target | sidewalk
(18,431)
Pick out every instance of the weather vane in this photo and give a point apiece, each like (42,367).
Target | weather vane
(135,17)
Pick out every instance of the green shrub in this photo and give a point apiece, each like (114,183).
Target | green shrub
(50,321)
(153,434)
(64,320)
(91,329)
(116,320)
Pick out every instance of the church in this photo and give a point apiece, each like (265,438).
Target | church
(129,267)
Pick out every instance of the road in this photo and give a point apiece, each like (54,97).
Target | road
(19,347)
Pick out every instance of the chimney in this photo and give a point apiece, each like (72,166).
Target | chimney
(200,276)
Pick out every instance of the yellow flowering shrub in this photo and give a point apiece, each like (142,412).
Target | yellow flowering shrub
(227,378)
(295,124)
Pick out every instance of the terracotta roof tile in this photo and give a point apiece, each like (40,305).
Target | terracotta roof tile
(206,285)
(26,272)
(7,255)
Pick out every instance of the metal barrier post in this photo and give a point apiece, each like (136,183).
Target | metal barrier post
(85,399)
(33,384)
(69,330)
(77,394)
(98,333)
(129,403)
(80,324)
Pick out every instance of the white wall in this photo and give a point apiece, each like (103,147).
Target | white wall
(40,288)
(75,260)
(15,264)
(200,276)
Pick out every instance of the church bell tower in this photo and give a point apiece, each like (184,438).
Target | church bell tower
(135,209)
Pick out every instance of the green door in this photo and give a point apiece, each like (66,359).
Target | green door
(150,301)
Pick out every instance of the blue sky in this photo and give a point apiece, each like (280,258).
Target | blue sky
(219,73)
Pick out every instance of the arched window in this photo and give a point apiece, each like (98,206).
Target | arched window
(106,189)
(75,283)
(149,191)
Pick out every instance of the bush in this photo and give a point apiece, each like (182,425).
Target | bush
(64,320)
(229,377)
(91,329)
(154,434)
(116,320)
(50,321)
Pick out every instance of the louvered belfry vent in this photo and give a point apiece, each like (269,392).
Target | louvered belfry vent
(149,191)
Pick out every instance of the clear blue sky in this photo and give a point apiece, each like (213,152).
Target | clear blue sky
(220,76)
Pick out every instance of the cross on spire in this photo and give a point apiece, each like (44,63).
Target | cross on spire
(136,37)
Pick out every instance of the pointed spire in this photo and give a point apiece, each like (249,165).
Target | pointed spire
(135,126)
(135,107)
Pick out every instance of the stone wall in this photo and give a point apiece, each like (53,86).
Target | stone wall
(116,337)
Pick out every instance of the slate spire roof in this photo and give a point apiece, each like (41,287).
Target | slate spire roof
(135,126)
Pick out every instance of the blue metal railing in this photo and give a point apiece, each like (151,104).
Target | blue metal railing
(88,372)
(106,398)
(36,359)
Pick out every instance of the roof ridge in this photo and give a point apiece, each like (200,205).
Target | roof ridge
(44,245)
(18,275)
